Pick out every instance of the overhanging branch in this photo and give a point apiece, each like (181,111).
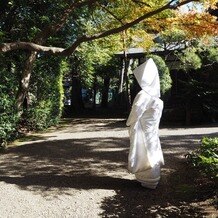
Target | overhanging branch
(122,27)
(53,28)
(5,47)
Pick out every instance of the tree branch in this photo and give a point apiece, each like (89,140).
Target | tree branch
(122,27)
(5,47)
(53,28)
(141,3)
(29,46)
(113,15)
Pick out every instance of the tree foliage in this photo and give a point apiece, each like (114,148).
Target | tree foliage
(105,18)
(206,157)
(199,62)
(30,31)
(45,98)
(9,82)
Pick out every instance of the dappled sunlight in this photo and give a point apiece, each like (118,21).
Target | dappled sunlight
(177,194)
(92,125)
(65,156)
(69,163)
(66,164)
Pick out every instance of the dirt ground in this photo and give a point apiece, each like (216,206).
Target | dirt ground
(80,170)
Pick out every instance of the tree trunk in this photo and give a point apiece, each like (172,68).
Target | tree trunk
(127,89)
(120,95)
(105,91)
(94,93)
(123,93)
(121,79)
(25,80)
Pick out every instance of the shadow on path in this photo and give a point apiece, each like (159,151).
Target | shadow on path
(54,167)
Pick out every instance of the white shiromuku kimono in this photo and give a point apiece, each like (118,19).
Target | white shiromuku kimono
(145,154)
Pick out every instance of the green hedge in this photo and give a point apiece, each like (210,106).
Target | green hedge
(8,118)
(45,97)
(46,94)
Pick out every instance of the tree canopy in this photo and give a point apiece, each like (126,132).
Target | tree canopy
(30,25)
(36,36)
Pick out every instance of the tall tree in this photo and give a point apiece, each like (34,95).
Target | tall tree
(108,17)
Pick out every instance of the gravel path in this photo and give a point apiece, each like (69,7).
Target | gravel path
(79,170)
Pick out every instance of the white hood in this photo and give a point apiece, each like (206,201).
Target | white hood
(148,77)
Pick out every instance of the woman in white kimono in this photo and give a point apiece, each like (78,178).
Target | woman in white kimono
(145,154)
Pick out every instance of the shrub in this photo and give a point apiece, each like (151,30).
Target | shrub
(44,98)
(8,118)
(206,157)
(45,95)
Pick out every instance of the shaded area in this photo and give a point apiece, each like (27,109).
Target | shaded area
(81,181)
(31,138)
(180,192)
(64,164)
(178,195)
(52,168)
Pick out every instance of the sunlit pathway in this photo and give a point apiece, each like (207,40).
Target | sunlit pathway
(79,170)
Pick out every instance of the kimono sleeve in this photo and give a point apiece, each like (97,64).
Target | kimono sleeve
(138,108)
